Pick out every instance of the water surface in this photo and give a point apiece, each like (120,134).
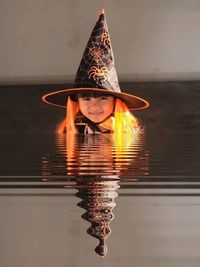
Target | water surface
(138,199)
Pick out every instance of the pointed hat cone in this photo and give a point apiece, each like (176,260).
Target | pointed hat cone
(96,72)
(97,69)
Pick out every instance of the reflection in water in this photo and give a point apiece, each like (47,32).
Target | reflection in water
(97,155)
(97,163)
(98,201)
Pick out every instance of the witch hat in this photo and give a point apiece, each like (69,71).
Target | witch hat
(97,72)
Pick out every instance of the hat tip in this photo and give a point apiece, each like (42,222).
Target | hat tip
(101,11)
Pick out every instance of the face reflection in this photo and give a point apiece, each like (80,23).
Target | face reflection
(96,107)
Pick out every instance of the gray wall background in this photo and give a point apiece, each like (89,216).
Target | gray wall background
(42,41)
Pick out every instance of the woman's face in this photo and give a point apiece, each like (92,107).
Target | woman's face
(96,107)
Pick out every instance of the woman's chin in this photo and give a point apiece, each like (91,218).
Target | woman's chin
(96,119)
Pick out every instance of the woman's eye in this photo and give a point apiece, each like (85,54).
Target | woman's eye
(85,98)
(103,97)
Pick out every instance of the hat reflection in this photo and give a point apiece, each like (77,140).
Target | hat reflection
(97,163)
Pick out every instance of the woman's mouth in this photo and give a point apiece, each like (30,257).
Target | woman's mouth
(95,113)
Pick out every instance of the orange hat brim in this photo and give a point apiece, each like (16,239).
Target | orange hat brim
(59,98)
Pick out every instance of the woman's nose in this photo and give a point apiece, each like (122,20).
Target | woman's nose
(94,101)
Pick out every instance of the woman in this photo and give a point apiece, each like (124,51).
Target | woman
(96,103)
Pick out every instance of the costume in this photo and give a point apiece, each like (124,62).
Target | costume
(85,126)
(96,72)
